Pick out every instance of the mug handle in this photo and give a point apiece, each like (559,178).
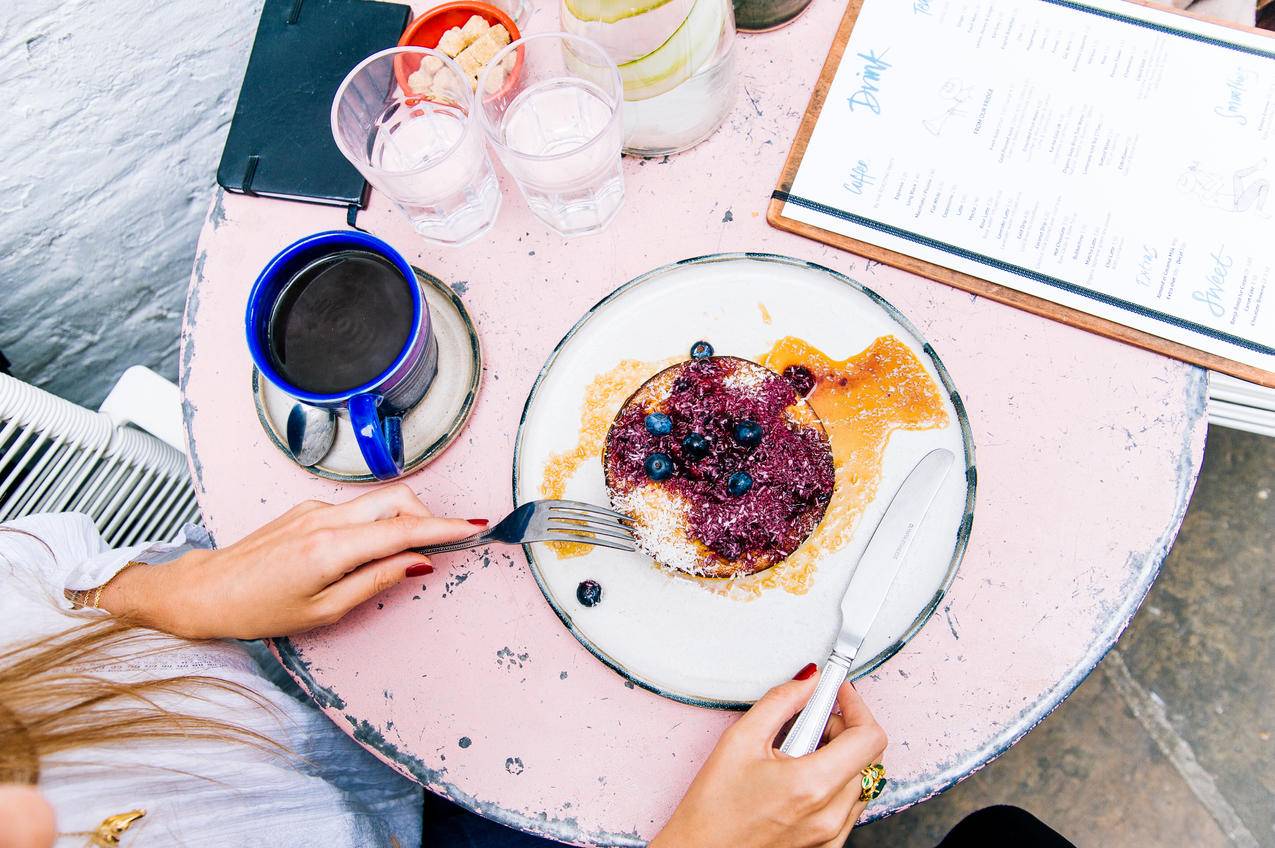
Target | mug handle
(380,438)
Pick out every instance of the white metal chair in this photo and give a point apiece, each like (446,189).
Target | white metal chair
(1241,406)
(56,456)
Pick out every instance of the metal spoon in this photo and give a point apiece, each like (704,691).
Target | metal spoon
(311,431)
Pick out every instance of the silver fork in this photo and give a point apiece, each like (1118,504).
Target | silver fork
(550,521)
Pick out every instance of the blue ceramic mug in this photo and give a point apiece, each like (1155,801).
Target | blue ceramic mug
(376,406)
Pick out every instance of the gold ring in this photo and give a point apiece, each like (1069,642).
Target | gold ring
(873,782)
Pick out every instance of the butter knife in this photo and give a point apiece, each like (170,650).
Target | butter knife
(873,576)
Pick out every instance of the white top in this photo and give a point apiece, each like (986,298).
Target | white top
(197,793)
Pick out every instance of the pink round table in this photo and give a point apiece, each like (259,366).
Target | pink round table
(1087,451)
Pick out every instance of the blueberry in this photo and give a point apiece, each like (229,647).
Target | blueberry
(659,466)
(801,379)
(739,483)
(695,446)
(747,432)
(658,424)
(589,593)
(701,350)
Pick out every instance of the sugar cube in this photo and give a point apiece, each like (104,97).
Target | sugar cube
(420,81)
(495,80)
(469,60)
(474,27)
(452,42)
(441,92)
(484,49)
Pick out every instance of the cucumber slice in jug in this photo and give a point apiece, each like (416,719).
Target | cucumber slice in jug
(633,37)
(609,11)
(677,59)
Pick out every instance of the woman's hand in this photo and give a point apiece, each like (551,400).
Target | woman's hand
(27,818)
(307,568)
(749,795)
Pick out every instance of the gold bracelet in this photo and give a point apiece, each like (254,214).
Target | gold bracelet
(92,598)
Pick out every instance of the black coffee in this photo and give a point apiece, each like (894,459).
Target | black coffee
(340,322)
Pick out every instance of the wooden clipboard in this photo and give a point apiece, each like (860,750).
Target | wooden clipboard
(967,282)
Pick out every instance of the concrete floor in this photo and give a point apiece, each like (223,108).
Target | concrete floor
(1171,741)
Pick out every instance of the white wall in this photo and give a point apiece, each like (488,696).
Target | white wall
(115,115)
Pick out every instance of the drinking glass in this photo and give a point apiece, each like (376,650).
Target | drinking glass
(520,10)
(550,105)
(404,118)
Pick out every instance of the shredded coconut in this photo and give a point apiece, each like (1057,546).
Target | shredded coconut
(747,380)
(662,530)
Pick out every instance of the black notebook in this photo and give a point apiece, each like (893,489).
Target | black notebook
(280,142)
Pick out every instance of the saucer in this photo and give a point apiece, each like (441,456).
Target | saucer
(429,427)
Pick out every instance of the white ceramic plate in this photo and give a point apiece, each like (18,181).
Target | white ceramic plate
(428,427)
(664,632)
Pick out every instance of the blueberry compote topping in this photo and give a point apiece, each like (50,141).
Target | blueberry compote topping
(788,468)
(589,593)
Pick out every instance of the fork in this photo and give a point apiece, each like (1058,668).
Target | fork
(550,521)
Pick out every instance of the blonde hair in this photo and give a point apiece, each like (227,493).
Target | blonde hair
(55,698)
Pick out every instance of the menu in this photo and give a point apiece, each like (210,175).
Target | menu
(1109,157)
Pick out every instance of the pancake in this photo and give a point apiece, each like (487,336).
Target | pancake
(723,467)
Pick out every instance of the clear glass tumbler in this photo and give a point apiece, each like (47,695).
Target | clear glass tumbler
(404,118)
(522,10)
(550,104)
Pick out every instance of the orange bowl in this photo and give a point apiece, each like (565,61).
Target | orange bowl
(427,30)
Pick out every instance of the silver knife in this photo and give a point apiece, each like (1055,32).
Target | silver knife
(873,577)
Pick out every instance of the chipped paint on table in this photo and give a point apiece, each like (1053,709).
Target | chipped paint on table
(466,680)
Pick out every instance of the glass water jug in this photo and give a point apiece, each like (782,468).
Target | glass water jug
(676,60)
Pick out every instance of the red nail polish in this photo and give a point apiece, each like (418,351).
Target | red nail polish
(807,671)
(478,522)
(419,570)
